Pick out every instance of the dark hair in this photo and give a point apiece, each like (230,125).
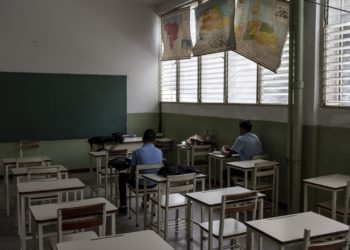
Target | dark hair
(149,135)
(246,125)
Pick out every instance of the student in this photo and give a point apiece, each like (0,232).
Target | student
(246,145)
(147,154)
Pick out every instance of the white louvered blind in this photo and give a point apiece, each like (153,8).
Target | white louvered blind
(188,82)
(273,87)
(168,81)
(242,79)
(213,78)
(336,54)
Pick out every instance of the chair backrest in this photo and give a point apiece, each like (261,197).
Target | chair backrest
(140,168)
(183,183)
(264,169)
(346,202)
(26,144)
(82,217)
(235,204)
(263,157)
(43,173)
(342,244)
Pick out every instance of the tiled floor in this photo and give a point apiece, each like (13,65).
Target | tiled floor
(10,241)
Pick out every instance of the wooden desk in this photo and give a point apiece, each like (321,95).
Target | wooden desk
(221,158)
(212,199)
(333,183)
(161,180)
(46,214)
(147,240)
(289,230)
(9,163)
(38,189)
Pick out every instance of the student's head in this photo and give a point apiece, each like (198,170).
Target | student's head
(149,136)
(245,126)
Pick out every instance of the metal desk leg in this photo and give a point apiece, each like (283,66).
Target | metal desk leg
(158,210)
(228,176)
(277,189)
(246,179)
(188,157)
(7,192)
(334,204)
(91,177)
(189,222)
(210,233)
(113,224)
(221,172)
(40,236)
(145,202)
(178,156)
(209,171)
(22,223)
(249,239)
(305,197)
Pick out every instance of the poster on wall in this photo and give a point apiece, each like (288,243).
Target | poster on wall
(261,28)
(215,27)
(176,35)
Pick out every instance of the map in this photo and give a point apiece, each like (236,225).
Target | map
(215,27)
(261,28)
(176,36)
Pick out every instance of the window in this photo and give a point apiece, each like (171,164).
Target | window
(225,77)
(336,55)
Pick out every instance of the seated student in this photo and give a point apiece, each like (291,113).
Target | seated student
(246,145)
(147,154)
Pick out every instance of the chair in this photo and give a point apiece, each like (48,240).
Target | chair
(232,228)
(264,180)
(342,209)
(329,245)
(80,218)
(110,173)
(201,152)
(173,199)
(140,191)
(34,161)
(26,144)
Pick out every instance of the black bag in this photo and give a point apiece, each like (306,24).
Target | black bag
(120,163)
(176,170)
(100,141)
(118,137)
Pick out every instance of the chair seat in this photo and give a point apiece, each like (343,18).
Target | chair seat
(175,200)
(327,205)
(232,227)
(88,235)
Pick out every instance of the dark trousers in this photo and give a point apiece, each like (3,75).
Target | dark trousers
(124,179)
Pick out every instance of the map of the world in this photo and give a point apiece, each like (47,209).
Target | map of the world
(261,27)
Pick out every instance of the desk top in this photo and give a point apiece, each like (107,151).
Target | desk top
(245,164)
(24,170)
(334,181)
(48,212)
(290,228)
(218,155)
(159,179)
(131,241)
(49,186)
(213,197)
(27,159)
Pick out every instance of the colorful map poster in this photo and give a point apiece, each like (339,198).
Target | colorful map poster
(261,28)
(215,27)
(176,35)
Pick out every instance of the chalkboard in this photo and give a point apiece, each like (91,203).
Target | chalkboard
(61,106)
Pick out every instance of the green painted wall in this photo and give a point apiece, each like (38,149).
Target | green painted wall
(74,153)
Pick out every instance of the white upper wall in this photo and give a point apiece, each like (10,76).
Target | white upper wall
(114,37)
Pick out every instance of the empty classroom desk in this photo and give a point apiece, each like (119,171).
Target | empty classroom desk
(289,230)
(212,199)
(11,163)
(147,240)
(40,188)
(333,183)
(46,214)
(218,157)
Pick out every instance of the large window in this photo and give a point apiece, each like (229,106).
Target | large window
(224,77)
(336,55)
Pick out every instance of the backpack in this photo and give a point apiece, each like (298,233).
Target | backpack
(176,170)
(120,163)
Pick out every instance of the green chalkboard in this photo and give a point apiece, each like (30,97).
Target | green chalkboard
(61,106)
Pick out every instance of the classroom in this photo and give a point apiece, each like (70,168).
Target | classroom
(174,124)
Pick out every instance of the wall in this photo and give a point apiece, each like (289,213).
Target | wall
(112,37)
